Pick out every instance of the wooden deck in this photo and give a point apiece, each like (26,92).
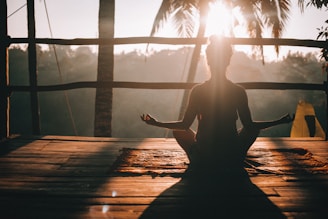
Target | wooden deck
(81,177)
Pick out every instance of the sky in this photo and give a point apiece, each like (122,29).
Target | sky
(79,19)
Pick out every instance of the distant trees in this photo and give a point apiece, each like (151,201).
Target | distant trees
(167,65)
(76,65)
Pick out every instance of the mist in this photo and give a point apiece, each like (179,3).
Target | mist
(59,117)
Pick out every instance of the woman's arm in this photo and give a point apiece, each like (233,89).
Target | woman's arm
(183,124)
(246,119)
(177,125)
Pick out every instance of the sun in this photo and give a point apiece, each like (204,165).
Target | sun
(219,20)
(222,20)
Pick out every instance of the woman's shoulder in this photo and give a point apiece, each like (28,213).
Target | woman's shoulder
(237,91)
(198,88)
(237,87)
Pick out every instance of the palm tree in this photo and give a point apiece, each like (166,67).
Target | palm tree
(104,96)
(316,3)
(258,14)
(323,31)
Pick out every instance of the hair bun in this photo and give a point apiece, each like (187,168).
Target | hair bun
(219,40)
(218,45)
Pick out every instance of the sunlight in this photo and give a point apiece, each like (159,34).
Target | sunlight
(219,20)
(229,22)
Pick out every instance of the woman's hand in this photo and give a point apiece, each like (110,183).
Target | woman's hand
(148,119)
(287,118)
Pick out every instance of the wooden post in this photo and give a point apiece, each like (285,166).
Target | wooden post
(326,92)
(4,78)
(105,72)
(32,68)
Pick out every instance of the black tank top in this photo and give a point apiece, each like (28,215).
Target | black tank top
(217,111)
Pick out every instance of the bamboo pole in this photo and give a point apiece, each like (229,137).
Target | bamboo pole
(174,41)
(33,68)
(4,78)
(164,85)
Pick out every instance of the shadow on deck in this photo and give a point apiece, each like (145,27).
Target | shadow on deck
(82,177)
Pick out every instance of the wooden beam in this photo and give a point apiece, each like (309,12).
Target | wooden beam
(174,41)
(4,79)
(164,85)
(33,68)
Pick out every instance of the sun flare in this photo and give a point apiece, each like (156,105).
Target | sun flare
(219,20)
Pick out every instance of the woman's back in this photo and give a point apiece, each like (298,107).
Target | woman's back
(217,111)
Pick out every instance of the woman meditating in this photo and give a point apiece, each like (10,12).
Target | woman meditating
(217,104)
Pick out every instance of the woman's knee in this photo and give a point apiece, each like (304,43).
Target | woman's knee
(184,137)
(249,133)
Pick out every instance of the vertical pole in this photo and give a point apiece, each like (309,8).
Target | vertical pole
(324,52)
(105,72)
(4,76)
(32,68)
(326,92)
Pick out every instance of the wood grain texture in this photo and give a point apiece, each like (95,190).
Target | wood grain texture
(85,177)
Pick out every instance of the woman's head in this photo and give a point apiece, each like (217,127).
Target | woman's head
(218,54)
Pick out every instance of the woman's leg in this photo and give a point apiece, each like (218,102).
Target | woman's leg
(248,136)
(185,138)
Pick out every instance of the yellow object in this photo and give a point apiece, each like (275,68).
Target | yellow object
(306,123)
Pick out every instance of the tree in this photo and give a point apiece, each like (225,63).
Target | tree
(258,14)
(322,31)
(316,3)
(104,96)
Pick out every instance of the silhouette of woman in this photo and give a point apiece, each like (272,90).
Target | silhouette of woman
(217,104)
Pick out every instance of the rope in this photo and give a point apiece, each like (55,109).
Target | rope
(17,10)
(60,74)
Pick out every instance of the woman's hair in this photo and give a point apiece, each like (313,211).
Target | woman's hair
(218,47)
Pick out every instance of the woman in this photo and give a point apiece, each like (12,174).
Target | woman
(216,104)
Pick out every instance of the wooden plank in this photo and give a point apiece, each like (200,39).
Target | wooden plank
(73,177)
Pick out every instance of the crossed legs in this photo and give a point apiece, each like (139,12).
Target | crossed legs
(186,139)
(246,136)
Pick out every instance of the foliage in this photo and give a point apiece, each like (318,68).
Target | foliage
(258,15)
(322,31)
(163,66)
(316,3)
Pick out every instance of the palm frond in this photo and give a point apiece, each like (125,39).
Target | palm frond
(284,7)
(162,16)
(318,3)
(301,5)
(184,20)
(275,14)
(249,12)
(181,11)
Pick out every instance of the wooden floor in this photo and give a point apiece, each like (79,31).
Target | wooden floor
(81,177)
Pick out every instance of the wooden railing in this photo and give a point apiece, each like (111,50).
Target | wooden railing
(171,41)
(163,85)
(33,88)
